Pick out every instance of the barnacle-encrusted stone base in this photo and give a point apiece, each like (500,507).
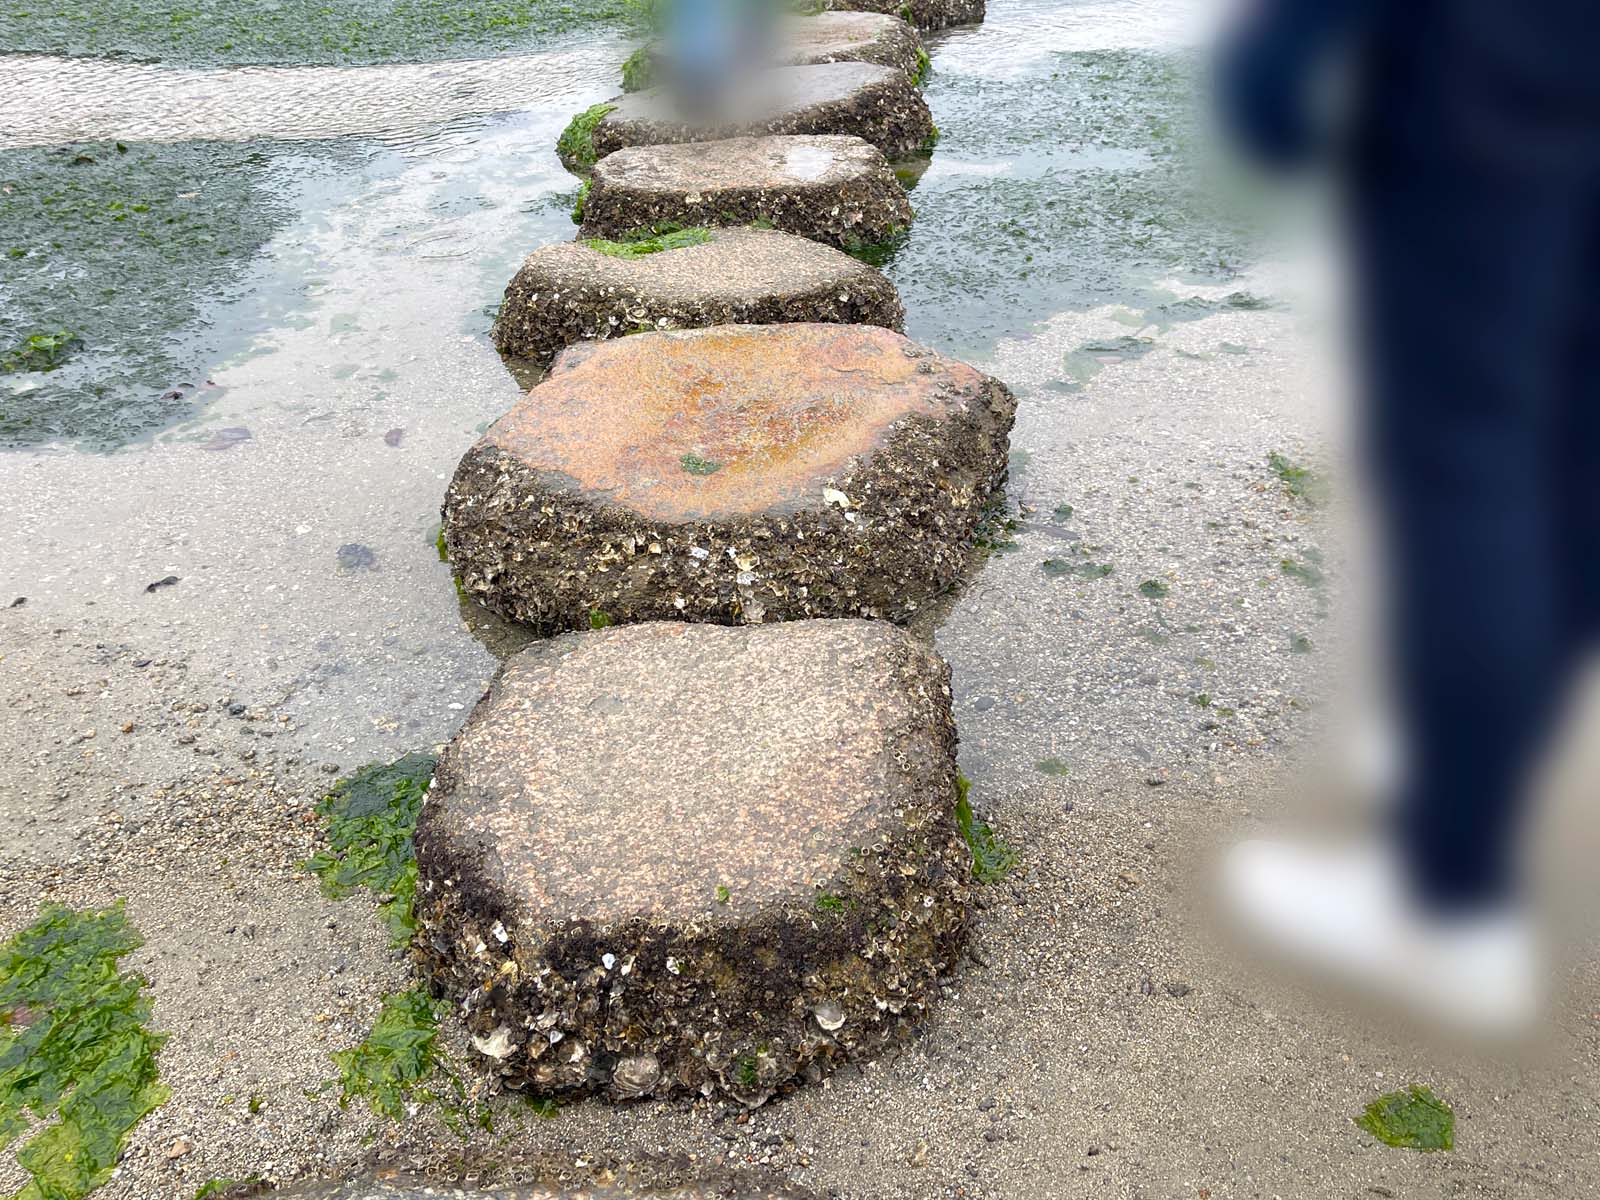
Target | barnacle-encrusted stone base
(879,104)
(924,14)
(838,190)
(675,859)
(733,474)
(841,36)
(568,292)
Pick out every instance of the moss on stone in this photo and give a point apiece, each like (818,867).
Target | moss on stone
(638,247)
(637,70)
(575,147)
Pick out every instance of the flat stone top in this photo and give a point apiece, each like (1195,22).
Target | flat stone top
(641,769)
(786,89)
(837,32)
(736,264)
(725,421)
(773,163)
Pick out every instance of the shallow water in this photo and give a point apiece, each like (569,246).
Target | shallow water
(286,351)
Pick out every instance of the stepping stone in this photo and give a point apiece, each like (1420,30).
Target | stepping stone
(679,859)
(924,14)
(876,103)
(826,37)
(577,291)
(734,474)
(838,190)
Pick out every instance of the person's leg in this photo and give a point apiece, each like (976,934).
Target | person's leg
(1576,480)
(1468,283)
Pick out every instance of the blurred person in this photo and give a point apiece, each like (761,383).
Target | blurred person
(715,50)
(1465,140)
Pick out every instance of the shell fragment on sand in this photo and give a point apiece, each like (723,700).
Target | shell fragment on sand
(924,14)
(879,104)
(571,292)
(734,474)
(833,189)
(723,859)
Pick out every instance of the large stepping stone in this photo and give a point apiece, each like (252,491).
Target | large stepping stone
(578,291)
(734,474)
(924,14)
(823,38)
(876,103)
(833,189)
(680,859)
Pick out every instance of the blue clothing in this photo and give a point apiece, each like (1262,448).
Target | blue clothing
(1470,160)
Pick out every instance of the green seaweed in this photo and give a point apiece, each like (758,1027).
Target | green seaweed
(923,69)
(723,894)
(1300,482)
(579,201)
(675,239)
(392,1065)
(576,143)
(1055,568)
(1412,1119)
(696,465)
(992,859)
(40,352)
(1154,589)
(299,31)
(1051,766)
(599,619)
(1307,573)
(370,819)
(637,70)
(73,1045)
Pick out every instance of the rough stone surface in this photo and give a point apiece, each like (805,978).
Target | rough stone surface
(568,292)
(840,36)
(685,859)
(876,103)
(924,14)
(869,37)
(833,189)
(734,474)
(403,1188)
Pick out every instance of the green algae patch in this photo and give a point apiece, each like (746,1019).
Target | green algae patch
(40,352)
(392,1066)
(131,251)
(75,1049)
(1413,1119)
(992,859)
(370,818)
(696,465)
(575,146)
(923,69)
(675,239)
(637,70)
(211,32)
(1300,482)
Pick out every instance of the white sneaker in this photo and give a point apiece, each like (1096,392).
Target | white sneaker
(1344,911)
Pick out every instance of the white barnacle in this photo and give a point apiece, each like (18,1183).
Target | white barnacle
(835,496)
(500,934)
(672,965)
(608,961)
(497,1045)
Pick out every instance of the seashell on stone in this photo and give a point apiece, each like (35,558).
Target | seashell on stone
(829,1015)
(636,1075)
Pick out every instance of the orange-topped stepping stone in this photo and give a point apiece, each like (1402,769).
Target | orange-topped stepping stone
(734,474)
